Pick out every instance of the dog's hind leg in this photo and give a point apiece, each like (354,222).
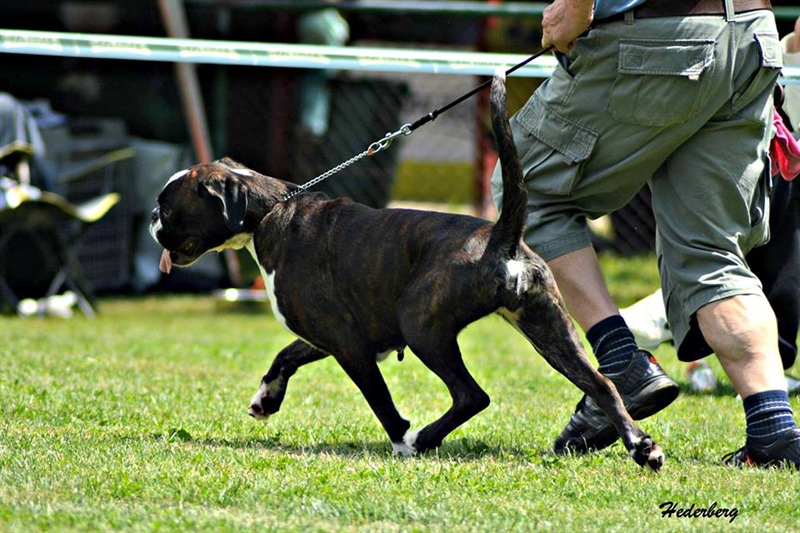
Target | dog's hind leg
(441,354)
(269,397)
(546,324)
(362,368)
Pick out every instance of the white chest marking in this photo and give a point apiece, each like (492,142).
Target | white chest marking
(269,285)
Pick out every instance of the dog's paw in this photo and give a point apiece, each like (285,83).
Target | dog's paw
(258,405)
(656,458)
(407,447)
(646,452)
(255,412)
(401,448)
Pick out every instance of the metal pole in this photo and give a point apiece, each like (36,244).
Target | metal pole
(174,18)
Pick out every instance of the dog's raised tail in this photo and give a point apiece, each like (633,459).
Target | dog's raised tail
(507,231)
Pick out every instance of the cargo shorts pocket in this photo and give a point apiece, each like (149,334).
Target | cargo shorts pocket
(660,83)
(770,62)
(554,148)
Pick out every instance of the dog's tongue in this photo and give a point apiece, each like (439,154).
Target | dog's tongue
(166,263)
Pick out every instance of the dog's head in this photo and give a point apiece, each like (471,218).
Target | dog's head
(202,209)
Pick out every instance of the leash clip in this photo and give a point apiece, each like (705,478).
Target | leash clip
(384,143)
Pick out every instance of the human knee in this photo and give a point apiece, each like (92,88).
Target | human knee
(738,325)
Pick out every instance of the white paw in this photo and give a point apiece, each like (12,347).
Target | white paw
(258,416)
(407,446)
(400,448)
(256,409)
(656,458)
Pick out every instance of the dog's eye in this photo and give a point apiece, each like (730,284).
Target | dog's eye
(166,212)
(190,247)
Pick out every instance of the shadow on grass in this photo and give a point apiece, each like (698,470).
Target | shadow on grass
(461,449)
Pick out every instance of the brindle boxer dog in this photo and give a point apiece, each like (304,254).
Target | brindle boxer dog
(358,283)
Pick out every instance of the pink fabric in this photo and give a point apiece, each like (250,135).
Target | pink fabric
(784,150)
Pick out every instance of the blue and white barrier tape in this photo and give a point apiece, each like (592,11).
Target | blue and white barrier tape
(100,46)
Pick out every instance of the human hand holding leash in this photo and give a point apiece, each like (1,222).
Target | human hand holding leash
(564,20)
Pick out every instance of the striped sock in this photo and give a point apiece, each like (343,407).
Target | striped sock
(613,344)
(768,414)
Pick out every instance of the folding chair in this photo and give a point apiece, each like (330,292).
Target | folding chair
(38,234)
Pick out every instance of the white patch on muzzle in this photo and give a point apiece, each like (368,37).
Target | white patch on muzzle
(155,227)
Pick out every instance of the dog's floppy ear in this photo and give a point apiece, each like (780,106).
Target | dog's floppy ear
(233,195)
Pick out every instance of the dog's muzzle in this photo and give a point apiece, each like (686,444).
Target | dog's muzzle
(165,264)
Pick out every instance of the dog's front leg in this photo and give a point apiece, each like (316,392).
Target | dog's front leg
(269,397)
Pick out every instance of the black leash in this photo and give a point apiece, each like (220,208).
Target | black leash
(430,117)
(408,129)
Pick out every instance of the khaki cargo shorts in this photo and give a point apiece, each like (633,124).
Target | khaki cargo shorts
(659,102)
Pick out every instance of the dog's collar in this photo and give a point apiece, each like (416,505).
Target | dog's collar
(237,242)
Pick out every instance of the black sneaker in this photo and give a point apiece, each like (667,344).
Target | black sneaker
(784,452)
(645,389)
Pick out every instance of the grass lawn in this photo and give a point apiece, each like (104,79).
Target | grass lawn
(136,421)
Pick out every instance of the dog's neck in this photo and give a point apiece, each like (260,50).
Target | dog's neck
(264,193)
